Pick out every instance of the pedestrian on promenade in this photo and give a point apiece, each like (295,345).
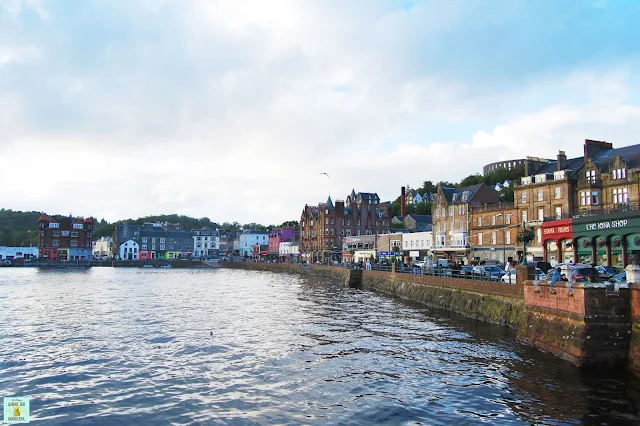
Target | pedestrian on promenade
(557,276)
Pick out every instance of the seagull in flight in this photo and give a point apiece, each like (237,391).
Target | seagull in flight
(323,173)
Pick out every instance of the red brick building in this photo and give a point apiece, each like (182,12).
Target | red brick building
(322,227)
(65,238)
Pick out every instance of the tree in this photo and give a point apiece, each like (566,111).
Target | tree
(290,224)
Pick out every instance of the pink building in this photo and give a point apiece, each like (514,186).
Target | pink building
(278,236)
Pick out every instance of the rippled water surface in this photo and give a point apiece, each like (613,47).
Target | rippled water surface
(140,346)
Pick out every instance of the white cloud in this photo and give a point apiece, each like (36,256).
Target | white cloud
(232,109)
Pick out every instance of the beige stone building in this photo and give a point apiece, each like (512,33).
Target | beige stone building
(493,230)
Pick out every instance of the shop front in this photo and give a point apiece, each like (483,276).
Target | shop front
(557,241)
(612,239)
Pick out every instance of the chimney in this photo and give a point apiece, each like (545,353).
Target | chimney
(593,148)
(403,207)
(562,160)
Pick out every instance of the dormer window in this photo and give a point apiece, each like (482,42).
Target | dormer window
(465,196)
(619,173)
(590,176)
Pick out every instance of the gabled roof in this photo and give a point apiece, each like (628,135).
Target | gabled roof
(330,203)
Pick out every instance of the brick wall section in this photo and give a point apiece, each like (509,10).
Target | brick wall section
(592,327)
(634,349)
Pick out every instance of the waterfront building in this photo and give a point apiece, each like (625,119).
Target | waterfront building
(417,245)
(65,238)
(102,248)
(451,216)
(284,251)
(206,242)
(277,236)
(294,251)
(607,239)
(323,227)
(493,230)
(248,238)
(124,232)
(12,253)
(604,180)
(389,245)
(557,241)
(164,241)
(129,250)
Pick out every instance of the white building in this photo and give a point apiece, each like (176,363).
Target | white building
(206,242)
(102,248)
(284,250)
(416,245)
(128,250)
(11,253)
(249,238)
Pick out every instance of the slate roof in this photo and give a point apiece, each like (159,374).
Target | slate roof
(330,203)
(454,195)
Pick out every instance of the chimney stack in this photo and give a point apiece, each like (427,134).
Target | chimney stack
(562,160)
(593,148)
(403,204)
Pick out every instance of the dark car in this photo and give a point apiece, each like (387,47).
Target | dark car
(585,274)
(466,271)
(607,272)
(544,266)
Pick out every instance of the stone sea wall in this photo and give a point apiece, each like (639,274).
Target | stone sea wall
(634,347)
(478,300)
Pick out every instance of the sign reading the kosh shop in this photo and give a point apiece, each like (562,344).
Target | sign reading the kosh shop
(606,225)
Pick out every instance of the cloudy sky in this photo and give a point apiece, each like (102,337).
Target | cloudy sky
(231,109)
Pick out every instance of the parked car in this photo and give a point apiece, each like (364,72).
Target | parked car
(607,272)
(585,274)
(466,271)
(511,276)
(620,278)
(544,266)
(494,273)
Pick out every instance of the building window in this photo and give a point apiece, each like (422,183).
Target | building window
(493,219)
(480,239)
(55,243)
(540,214)
(55,234)
(538,235)
(507,237)
(144,247)
(558,212)
(161,246)
(540,195)
(451,226)
(461,210)
(462,225)
(144,239)
(620,195)
(450,210)
(438,213)
(556,192)
(524,216)
(508,220)
(591,176)
(523,197)
(479,221)
(326,220)
(619,173)
(74,243)
(494,238)
(74,234)
(585,198)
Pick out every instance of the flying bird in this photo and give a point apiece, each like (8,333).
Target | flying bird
(323,173)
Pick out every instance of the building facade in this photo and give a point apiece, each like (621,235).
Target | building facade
(62,238)
(417,245)
(451,219)
(129,250)
(103,248)
(248,238)
(278,236)
(164,241)
(492,230)
(12,253)
(323,227)
(206,242)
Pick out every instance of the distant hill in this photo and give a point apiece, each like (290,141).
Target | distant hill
(18,228)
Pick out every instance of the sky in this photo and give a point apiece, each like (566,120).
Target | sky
(231,109)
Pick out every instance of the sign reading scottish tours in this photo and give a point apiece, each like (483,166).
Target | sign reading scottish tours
(16,410)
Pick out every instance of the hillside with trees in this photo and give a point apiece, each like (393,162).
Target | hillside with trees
(18,229)
(491,179)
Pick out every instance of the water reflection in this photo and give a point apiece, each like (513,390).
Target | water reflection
(143,346)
